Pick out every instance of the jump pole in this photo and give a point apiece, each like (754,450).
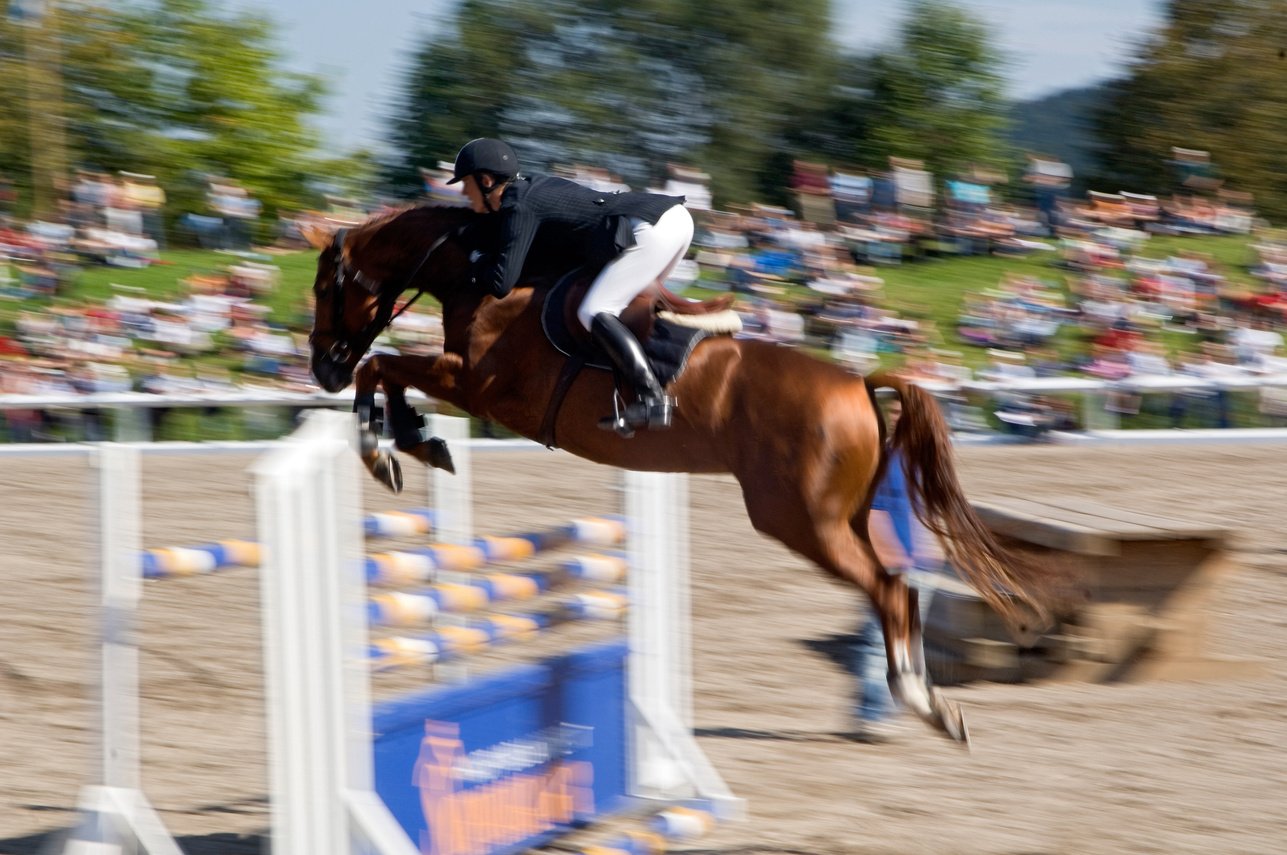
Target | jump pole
(667,761)
(115,815)
(453,495)
(319,705)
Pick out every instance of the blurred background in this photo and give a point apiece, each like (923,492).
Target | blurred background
(1055,215)
(962,190)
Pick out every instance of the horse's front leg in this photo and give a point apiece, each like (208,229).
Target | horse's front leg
(438,376)
(410,433)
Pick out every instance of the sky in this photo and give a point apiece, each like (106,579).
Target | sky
(362,47)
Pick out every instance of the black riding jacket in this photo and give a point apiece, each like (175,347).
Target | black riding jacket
(589,226)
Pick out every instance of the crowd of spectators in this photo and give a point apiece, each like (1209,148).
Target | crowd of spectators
(810,275)
(215,336)
(198,342)
(1106,308)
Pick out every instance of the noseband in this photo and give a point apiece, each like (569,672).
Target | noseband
(343,345)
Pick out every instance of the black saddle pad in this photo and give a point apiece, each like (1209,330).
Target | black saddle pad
(667,349)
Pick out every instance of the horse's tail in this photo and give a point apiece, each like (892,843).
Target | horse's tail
(995,572)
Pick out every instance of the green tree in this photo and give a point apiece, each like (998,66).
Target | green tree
(223,104)
(768,67)
(1213,77)
(174,88)
(937,94)
(456,87)
(626,85)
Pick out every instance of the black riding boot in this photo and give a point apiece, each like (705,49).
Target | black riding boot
(654,407)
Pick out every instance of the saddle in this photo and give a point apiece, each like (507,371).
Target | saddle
(657,317)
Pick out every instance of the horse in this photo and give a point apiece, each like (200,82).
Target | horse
(803,437)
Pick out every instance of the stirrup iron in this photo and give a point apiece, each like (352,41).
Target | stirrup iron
(653,414)
(618,421)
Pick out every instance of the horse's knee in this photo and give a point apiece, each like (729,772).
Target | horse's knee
(367,375)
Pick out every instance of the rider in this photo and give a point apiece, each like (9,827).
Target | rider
(640,236)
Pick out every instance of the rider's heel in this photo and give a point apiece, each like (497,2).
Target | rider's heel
(618,424)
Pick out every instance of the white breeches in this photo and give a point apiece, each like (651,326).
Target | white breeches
(658,248)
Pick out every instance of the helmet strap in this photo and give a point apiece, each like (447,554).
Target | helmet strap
(487,193)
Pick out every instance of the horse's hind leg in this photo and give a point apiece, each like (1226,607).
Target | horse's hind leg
(824,534)
(909,678)
(853,559)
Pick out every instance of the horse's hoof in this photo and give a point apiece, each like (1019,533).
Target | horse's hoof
(440,455)
(388,471)
(949,719)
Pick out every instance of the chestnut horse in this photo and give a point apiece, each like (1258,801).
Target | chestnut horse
(803,437)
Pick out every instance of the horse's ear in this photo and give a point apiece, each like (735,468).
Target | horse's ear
(318,237)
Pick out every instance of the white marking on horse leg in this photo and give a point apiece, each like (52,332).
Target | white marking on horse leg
(909,686)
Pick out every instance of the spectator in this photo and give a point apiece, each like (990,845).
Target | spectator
(236,209)
(812,185)
(773,321)
(21,425)
(1049,178)
(1273,397)
(146,197)
(1216,365)
(692,184)
(852,194)
(1254,339)
(1144,360)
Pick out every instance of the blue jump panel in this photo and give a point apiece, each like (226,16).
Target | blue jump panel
(500,764)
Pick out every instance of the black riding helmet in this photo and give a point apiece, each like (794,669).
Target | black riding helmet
(485,155)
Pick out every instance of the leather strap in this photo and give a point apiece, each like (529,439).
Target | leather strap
(571,368)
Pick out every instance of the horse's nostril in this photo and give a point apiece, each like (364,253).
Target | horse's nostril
(331,375)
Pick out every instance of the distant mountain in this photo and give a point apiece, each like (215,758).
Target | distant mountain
(1059,125)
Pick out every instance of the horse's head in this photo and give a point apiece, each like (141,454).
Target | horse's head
(346,312)
(360,273)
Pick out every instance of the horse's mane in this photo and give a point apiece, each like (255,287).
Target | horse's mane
(375,221)
(406,222)
(411,211)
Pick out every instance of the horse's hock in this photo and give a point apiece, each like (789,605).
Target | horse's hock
(1143,586)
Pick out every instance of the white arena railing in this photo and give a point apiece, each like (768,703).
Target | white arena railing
(131,425)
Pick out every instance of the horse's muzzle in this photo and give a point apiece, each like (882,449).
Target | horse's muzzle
(331,374)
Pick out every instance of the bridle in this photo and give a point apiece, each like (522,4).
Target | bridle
(342,346)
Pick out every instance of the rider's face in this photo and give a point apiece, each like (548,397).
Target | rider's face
(475,192)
